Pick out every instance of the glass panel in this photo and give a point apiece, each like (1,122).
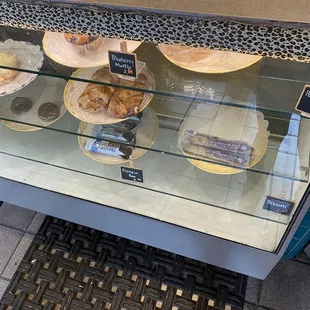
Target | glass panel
(170,117)
(223,140)
(260,84)
(241,194)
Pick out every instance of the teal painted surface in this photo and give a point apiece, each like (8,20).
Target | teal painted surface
(300,239)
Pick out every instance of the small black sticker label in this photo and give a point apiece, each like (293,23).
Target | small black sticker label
(278,205)
(303,104)
(132,174)
(123,63)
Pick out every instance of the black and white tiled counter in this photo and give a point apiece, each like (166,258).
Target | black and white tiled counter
(273,39)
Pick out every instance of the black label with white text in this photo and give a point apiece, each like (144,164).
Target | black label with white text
(123,63)
(132,174)
(278,205)
(303,104)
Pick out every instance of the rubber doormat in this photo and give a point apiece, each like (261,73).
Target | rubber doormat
(73,267)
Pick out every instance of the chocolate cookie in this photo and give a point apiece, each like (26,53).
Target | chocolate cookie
(20,105)
(48,111)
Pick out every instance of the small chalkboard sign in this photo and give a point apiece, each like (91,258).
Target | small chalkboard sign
(123,63)
(303,104)
(132,174)
(278,205)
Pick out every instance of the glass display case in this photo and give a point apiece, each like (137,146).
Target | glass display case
(206,143)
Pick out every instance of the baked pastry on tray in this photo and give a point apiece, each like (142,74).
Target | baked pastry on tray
(117,102)
(83,43)
(95,98)
(126,102)
(124,108)
(8,60)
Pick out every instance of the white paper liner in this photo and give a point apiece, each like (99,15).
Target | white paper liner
(30,57)
(213,62)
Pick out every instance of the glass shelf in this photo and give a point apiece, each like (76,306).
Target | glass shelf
(281,158)
(256,103)
(171,175)
(262,86)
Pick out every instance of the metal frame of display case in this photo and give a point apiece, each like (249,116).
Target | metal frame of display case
(179,240)
(201,246)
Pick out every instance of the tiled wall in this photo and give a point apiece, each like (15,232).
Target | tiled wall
(301,238)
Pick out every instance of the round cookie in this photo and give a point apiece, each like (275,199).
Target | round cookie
(48,111)
(20,105)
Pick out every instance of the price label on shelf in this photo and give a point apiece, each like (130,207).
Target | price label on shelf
(278,205)
(132,174)
(303,104)
(122,63)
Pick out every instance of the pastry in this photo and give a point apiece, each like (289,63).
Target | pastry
(126,125)
(124,102)
(237,153)
(95,98)
(185,53)
(48,111)
(117,135)
(232,158)
(108,148)
(240,147)
(20,105)
(119,103)
(8,60)
(83,43)
(119,108)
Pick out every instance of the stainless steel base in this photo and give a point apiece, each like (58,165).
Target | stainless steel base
(203,247)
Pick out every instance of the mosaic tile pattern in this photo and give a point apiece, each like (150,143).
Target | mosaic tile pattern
(267,40)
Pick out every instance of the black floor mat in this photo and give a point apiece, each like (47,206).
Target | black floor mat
(73,267)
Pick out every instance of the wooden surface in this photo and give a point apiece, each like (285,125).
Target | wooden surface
(279,10)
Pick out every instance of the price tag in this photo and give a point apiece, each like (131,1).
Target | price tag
(123,63)
(132,174)
(303,104)
(278,205)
